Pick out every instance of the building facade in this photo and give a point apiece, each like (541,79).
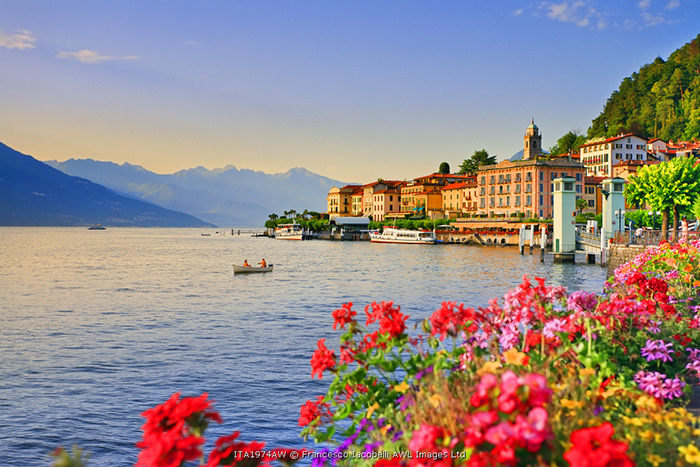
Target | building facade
(339,200)
(601,154)
(524,187)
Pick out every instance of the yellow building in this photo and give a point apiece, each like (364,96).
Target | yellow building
(339,200)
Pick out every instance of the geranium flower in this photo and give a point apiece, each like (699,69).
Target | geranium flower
(657,350)
(322,359)
(595,447)
(344,315)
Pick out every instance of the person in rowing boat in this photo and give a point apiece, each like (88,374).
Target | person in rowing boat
(245,264)
(263,263)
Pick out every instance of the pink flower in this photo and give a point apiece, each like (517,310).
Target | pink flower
(425,438)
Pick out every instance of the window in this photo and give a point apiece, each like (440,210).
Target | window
(483,190)
(517,188)
(517,200)
(528,200)
(541,199)
(483,180)
(493,179)
(553,175)
(591,203)
(578,188)
(528,177)
(568,186)
(541,186)
(578,177)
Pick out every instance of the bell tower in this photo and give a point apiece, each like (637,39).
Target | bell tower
(533,142)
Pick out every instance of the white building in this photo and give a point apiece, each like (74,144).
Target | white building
(600,154)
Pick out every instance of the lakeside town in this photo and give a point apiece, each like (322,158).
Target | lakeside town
(496,199)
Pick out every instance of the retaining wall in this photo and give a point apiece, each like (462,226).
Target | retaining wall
(620,254)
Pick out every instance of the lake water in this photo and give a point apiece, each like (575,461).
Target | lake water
(97,326)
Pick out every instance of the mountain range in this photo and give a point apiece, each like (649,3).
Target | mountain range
(225,197)
(35,194)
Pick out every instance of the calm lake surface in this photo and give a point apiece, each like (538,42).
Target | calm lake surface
(97,326)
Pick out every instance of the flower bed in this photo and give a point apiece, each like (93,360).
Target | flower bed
(541,377)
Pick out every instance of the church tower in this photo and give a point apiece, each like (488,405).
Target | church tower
(533,142)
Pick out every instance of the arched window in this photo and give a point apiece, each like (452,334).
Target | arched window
(526,143)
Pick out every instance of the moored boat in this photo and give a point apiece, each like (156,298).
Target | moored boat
(238,269)
(395,235)
(289,232)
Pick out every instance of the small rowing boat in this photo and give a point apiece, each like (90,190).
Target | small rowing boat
(237,269)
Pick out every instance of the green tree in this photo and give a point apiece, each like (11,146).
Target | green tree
(660,100)
(670,187)
(569,143)
(444,168)
(581,204)
(471,165)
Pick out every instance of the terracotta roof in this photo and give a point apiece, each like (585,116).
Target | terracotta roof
(386,190)
(455,186)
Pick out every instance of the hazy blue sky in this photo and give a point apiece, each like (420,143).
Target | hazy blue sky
(353,89)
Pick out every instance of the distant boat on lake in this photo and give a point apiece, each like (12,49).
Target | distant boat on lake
(237,269)
(96,227)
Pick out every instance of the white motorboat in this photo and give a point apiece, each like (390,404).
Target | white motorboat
(289,232)
(238,269)
(395,235)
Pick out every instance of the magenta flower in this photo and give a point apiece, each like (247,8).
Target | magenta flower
(657,385)
(657,350)
(654,327)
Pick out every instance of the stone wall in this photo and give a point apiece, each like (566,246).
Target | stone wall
(620,254)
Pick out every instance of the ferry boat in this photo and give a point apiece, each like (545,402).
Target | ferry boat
(289,232)
(395,235)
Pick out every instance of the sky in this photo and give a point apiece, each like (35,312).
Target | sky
(354,90)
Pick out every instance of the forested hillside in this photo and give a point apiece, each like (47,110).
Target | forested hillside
(661,100)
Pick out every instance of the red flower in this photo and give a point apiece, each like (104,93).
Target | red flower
(344,315)
(391,320)
(449,319)
(311,411)
(322,359)
(594,447)
(230,452)
(388,463)
(171,432)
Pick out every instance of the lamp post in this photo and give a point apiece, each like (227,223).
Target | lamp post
(653,215)
(620,213)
